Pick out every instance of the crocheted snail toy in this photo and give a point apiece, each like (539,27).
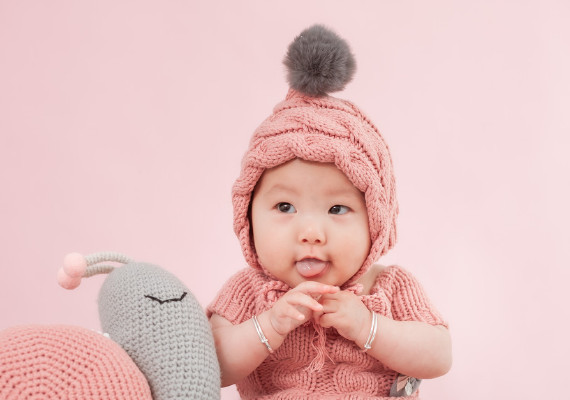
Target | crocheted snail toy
(156,320)
(160,346)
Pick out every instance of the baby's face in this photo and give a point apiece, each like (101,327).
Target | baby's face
(309,223)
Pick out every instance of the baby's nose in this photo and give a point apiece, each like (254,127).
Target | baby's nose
(312,233)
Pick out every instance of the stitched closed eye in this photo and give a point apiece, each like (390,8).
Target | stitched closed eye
(168,300)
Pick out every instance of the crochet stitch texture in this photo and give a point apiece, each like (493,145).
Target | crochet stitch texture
(58,362)
(347,373)
(161,325)
(155,318)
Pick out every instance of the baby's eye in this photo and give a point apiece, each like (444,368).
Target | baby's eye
(285,207)
(338,210)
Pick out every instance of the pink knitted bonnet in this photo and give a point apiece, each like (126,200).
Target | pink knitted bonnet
(311,125)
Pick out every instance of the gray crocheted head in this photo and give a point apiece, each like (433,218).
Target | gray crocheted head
(157,321)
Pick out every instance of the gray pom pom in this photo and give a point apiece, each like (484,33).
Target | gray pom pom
(319,62)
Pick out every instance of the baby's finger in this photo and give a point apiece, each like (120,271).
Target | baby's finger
(326,320)
(293,313)
(330,306)
(301,299)
(288,311)
(333,296)
(328,298)
(317,316)
(312,287)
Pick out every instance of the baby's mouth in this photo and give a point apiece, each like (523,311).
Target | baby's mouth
(309,267)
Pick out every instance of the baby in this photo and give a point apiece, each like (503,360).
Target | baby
(314,207)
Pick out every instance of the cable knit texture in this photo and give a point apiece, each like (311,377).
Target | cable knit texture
(347,373)
(58,362)
(329,130)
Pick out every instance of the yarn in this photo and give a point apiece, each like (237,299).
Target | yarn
(74,265)
(61,362)
(319,62)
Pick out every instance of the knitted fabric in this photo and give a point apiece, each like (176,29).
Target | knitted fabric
(329,130)
(164,329)
(66,363)
(347,373)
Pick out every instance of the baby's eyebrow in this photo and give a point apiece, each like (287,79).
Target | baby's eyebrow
(343,192)
(280,187)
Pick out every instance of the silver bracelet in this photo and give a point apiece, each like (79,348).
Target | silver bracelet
(260,334)
(372,334)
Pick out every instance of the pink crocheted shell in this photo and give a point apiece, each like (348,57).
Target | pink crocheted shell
(65,362)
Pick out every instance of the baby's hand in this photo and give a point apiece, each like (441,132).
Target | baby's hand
(347,314)
(298,305)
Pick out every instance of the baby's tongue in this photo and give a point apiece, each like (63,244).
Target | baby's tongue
(310,267)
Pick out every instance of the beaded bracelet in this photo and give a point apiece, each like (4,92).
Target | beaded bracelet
(372,334)
(260,334)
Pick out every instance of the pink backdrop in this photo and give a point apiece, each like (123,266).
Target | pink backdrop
(122,126)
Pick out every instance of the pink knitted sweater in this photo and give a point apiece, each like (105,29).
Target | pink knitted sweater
(347,373)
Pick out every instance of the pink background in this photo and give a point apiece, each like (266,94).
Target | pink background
(122,126)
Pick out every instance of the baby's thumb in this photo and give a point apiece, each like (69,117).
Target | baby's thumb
(317,315)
